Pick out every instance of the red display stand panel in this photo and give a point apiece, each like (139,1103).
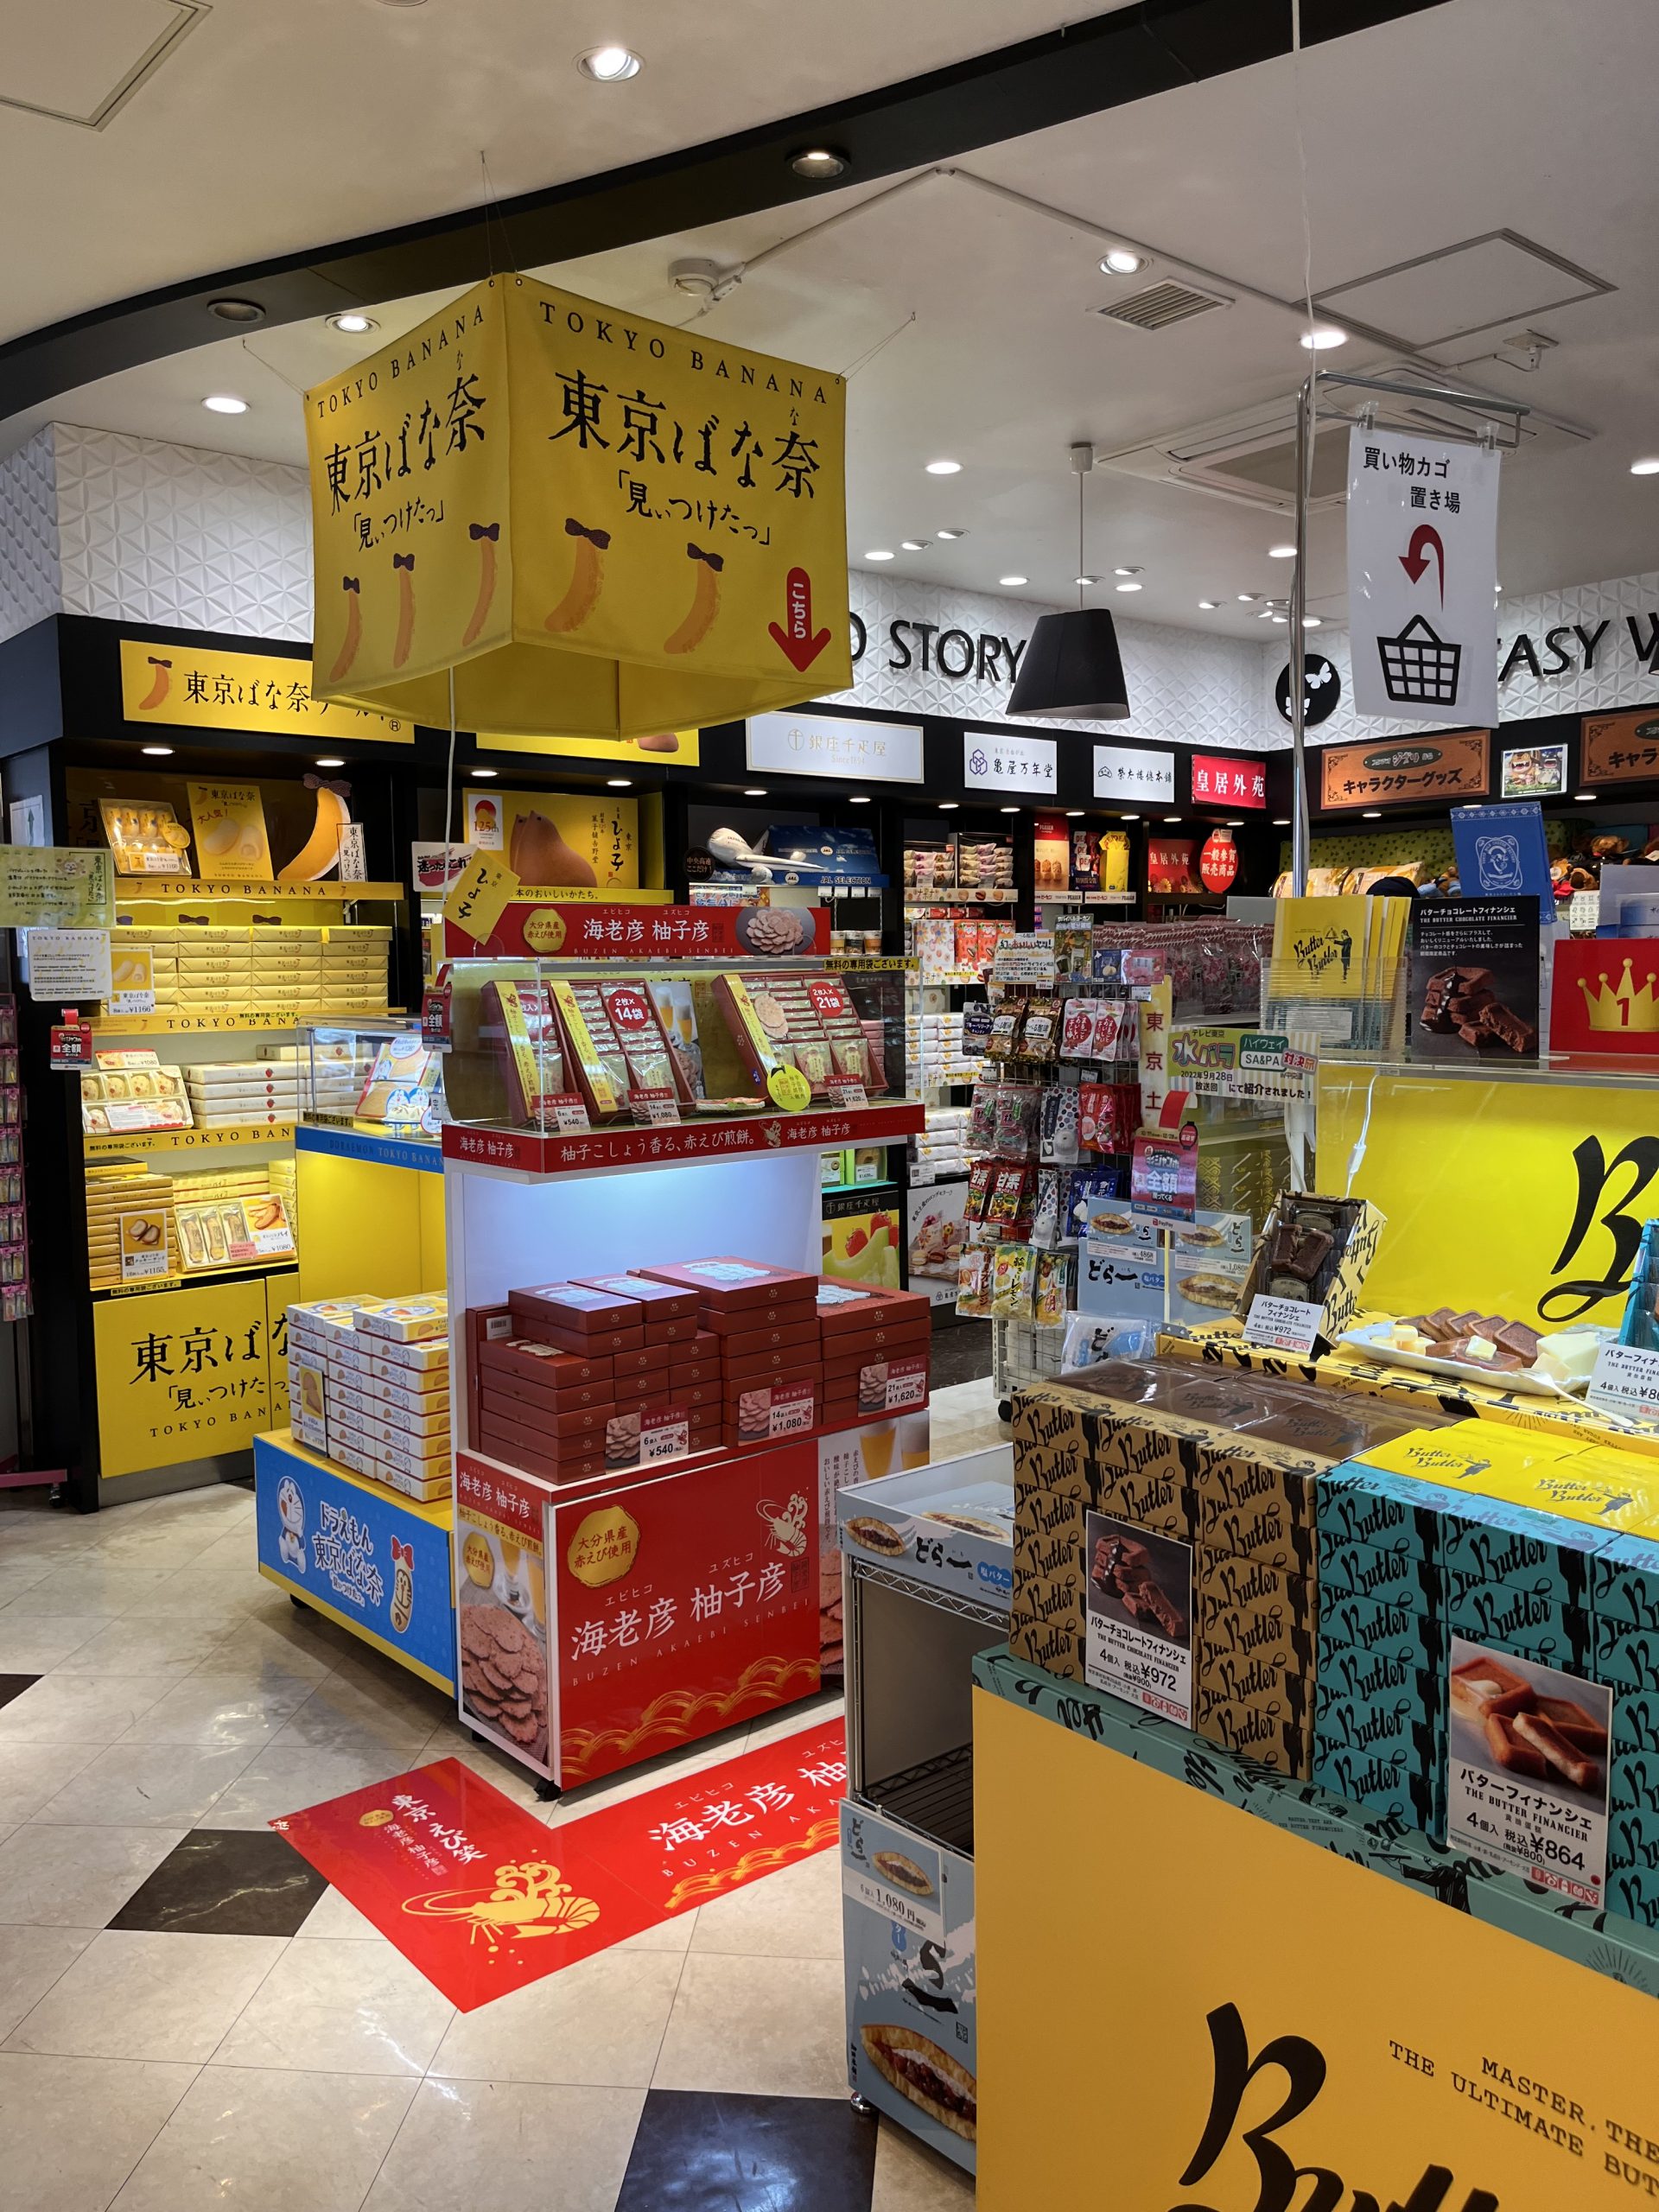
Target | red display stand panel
(533,1151)
(483,1899)
(683,1605)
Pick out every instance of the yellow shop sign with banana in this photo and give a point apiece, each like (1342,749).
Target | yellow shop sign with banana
(193,687)
(604,526)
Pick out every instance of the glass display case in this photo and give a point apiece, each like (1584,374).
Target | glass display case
(380,1078)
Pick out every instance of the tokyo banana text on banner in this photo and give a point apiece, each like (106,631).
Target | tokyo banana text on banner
(607,527)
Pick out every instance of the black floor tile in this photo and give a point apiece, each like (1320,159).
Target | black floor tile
(13,1686)
(225,1882)
(695,2152)
(962,1353)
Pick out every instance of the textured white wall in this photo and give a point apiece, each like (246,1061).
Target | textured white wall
(30,578)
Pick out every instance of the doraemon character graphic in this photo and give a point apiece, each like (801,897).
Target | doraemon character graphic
(290,1512)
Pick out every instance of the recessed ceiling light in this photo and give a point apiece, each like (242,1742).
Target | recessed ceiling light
(1648,467)
(1012,583)
(156,752)
(609,65)
(951,534)
(1172,818)
(1583,798)
(1237,823)
(880,555)
(948,806)
(237,310)
(1130,587)
(1082,583)
(1208,605)
(483,771)
(353,322)
(1312,621)
(1371,813)
(1126,572)
(944,468)
(819,161)
(1322,337)
(1281,619)
(1247,598)
(913,545)
(1282,822)
(1266,614)
(1074,814)
(1007,810)
(1281,552)
(620,783)
(331,761)
(859,799)
(1129,817)
(1121,261)
(752,790)
(225,403)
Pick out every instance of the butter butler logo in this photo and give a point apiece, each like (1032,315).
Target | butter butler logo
(1281,2181)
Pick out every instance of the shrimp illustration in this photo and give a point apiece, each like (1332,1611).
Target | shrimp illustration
(529,1899)
(352,588)
(785,1524)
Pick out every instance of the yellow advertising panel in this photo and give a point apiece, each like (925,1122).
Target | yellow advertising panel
(1182,2009)
(1524,1198)
(554,842)
(681,748)
(480,895)
(182,1374)
(228,822)
(192,687)
(607,527)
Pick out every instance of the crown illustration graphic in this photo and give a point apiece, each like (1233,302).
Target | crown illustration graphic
(1624,1007)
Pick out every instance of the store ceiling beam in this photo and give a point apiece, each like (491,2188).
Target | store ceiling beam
(1104,62)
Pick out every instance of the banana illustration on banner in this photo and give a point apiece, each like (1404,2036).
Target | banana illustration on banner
(705,603)
(587,577)
(352,587)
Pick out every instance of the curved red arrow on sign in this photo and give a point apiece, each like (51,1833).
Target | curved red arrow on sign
(795,638)
(1416,560)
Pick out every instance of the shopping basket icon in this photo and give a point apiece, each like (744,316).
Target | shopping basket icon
(1419,669)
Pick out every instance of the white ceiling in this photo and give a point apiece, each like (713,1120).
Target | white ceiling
(1440,128)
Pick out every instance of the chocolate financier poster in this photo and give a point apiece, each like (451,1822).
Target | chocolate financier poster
(1473,981)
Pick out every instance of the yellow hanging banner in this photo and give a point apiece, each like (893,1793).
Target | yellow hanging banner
(609,528)
(183,1373)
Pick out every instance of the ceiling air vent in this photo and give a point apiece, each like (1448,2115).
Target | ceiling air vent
(1160,305)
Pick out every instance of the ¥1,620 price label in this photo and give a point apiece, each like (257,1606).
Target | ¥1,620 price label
(1283,1323)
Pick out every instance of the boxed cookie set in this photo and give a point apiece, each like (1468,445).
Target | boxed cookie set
(764,1322)
(1489,1597)
(1216,1477)
(368,1382)
(1316,1251)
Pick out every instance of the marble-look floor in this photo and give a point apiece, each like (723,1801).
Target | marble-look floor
(190,2016)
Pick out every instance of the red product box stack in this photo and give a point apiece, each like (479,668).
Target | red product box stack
(764,1321)
(574,1380)
(876,1348)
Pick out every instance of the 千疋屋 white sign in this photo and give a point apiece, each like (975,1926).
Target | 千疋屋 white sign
(1422,564)
(834,745)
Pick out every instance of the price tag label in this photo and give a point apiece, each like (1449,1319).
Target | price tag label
(651,1106)
(566,1112)
(143,1245)
(844,1092)
(664,1432)
(792,1413)
(1626,1380)
(1283,1323)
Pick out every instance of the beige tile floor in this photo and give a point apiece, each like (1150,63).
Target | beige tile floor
(166,2073)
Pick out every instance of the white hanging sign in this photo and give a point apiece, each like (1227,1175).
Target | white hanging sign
(1122,772)
(1422,567)
(993,761)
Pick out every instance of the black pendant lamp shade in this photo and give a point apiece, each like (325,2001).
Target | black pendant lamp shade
(1072,669)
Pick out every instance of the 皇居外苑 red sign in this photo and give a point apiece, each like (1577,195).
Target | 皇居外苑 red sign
(1229,780)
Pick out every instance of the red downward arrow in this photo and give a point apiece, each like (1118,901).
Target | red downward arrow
(1416,560)
(794,639)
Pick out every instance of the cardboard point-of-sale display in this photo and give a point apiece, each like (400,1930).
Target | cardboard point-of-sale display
(605,527)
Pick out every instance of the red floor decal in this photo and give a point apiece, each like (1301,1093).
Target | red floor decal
(483,1898)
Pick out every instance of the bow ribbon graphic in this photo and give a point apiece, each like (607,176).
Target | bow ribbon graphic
(403,1555)
(490,529)
(716,561)
(575,529)
(402,560)
(351,583)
